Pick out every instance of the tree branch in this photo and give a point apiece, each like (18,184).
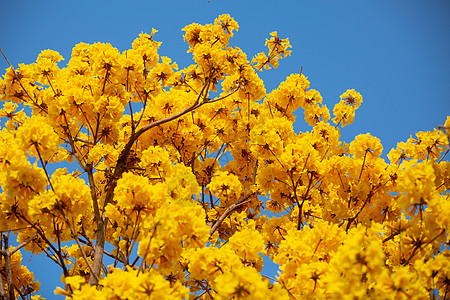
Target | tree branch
(229,210)
(120,169)
(81,249)
(8,270)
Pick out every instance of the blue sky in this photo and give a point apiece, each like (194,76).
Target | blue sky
(395,53)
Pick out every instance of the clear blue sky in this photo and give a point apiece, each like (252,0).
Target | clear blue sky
(395,53)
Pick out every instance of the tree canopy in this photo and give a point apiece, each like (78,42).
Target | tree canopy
(142,180)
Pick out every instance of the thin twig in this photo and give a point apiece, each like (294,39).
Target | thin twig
(77,139)
(75,236)
(21,85)
(271,278)
(362,167)
(141,266)
(43,166)
(254,172)
(24,243)
(49,245)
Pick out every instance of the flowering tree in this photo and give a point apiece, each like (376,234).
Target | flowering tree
(186,179)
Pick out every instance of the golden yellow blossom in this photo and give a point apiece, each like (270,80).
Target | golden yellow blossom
(188,178)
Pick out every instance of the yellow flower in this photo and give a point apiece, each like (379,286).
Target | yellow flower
(277,48)
(38,137)
(416,183)
(245,283)
(227,23)
(343,114)
(225,185)
(365,145)
(248,244)
(348,224)
(46,65)
(24,180)
(352,98)
(315,114)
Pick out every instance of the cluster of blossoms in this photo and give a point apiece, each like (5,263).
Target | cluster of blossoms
(180,169)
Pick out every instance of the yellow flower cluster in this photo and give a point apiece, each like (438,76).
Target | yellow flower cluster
(344,111)
(125,284)
(178,168)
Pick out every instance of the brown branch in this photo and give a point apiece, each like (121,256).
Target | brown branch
(74,235)
(9,276)
(8,270)
(133,128)
(133,138)
(206,290)
(254,172)
(144,105)
(49,245)
(224,97)
(77,139)
(50,83)
(3,294)
(124,154)
(98,250)
(89,169)
(141,266)
(42,163)
(89,243)
(119,170)
(88,123)
(228,211)
(362,167)
(24,243)
(134,235)
(443,156)
(106,78)
(352,219)
(417,248)
(72,143)
(300,207)
(270,278)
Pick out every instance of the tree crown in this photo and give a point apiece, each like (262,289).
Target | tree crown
(187,178)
